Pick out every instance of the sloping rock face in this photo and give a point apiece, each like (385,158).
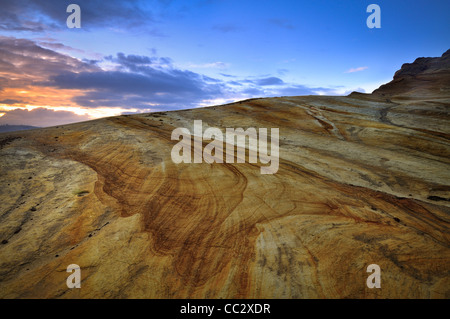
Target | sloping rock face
(362,180)
(425,77)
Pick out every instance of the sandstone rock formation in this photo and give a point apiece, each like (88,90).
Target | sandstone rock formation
(425,77)
(363,179)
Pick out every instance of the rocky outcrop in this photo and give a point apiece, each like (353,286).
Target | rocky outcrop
(362,180)
(425,77)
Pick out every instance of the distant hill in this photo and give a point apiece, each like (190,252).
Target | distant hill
(12,128)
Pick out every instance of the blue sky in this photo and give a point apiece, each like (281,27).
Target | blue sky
(143,56)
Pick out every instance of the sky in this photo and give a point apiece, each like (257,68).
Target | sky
(148,56)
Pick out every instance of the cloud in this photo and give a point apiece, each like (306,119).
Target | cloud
(361,68)
(139,80)
(132,60)
(11,101)
(38,15)
(282,23)
(269,81)
(40,117)
(36,77)
(228,75)
(212,65)
(59,46)
(282,71)
(26,62)
(234,83)
(29,70)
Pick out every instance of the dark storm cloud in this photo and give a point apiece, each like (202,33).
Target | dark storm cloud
(133,59)
(41,15)
(265,81)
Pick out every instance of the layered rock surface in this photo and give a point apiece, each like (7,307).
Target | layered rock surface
(425,77)
(362,180)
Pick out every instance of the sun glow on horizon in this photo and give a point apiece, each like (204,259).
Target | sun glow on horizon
(45,115)
(91,112)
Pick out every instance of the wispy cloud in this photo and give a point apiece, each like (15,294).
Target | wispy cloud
(59,46)
(361,68)
(282,71)
(228,75)
(270,81)
(212,65)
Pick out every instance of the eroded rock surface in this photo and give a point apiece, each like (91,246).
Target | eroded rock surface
(362,179)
